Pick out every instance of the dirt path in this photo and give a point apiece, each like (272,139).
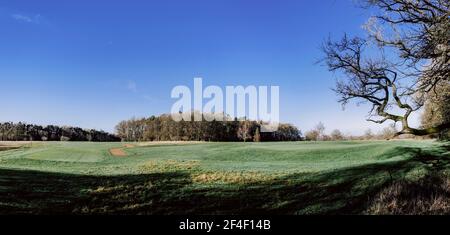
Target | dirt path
(118,152)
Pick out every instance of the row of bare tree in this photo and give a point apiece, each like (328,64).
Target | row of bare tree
(27,132)
(164,128)
(318,134)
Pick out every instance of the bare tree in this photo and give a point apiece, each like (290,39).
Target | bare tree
(395,81)
(312,135)
(320,128)
(368,135)
(437,109)
(419,30)
(388,132)
(337,135)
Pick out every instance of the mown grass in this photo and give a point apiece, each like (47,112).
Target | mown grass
(214,178)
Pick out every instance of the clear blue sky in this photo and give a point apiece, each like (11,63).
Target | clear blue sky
(94,63)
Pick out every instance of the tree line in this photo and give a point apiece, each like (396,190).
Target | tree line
(10,131)
(164,128)
(318,133)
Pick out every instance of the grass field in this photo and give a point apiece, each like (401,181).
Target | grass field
(210,178)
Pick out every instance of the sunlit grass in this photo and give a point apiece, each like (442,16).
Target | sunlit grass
(210,178)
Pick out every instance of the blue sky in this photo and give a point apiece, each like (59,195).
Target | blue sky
(92,64)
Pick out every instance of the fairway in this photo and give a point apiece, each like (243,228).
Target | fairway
(208,178)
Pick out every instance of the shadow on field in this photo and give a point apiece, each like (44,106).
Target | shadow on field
(343,191)
(33,192)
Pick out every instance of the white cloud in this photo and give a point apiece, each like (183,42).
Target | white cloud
(36,19)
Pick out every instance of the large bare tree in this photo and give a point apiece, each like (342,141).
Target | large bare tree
(405,56)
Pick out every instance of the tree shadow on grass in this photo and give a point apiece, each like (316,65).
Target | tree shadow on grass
(34,192)
(341,191)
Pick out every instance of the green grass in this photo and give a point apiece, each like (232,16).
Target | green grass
(210,178)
